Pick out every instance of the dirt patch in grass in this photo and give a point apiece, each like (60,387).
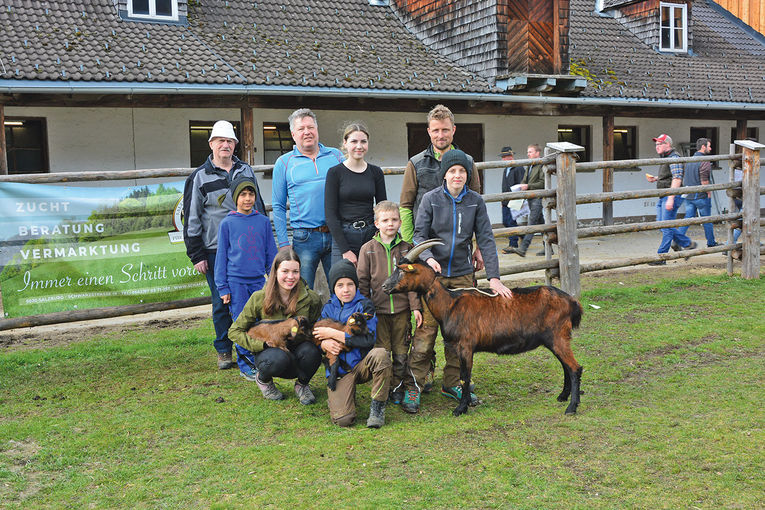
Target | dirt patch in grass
(17,457)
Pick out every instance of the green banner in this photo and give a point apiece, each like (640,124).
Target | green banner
(73,248)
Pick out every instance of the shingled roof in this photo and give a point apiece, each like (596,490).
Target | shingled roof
(726,63)
(303,43)
(351,48)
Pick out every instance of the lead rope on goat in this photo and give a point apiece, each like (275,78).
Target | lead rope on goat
(490,294)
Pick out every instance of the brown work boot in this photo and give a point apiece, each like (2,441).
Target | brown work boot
(225,361)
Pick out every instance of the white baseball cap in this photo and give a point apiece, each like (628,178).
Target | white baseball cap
(223,129)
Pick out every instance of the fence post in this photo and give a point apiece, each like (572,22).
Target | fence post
(608,173)
(750,222)
(568,250)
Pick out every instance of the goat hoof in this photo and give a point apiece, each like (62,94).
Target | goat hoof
(570,411)
(459,411)
(563,397)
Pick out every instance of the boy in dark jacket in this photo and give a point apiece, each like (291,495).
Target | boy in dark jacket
(377,260)
(453,213)
(246,248)
(364,360)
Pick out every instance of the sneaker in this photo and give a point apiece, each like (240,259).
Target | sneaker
(411,402)
(304,393)
(376,414)
(509,250)
(225,361)
(691,246)
(713,245)
(396,397)
(269,390)
(250,375)
(455,392)
(658,263)
(675,246)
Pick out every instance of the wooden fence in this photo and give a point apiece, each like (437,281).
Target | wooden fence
(565,232)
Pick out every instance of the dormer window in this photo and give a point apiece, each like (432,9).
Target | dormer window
(160,10)
(674,27)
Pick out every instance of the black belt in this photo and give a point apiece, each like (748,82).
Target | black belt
(359,224)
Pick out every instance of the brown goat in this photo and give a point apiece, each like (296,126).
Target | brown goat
(276,333)
(355,325)
(472,321)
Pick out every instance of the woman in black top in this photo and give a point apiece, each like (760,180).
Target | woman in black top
(352,189)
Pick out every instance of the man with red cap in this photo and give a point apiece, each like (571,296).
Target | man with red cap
(670,176)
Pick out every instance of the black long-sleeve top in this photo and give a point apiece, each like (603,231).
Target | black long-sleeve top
(351,196)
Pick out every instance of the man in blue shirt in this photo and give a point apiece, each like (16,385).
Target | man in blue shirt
(299,177)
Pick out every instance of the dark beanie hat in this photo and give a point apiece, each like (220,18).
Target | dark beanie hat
(239,184)
(343,268)
(456,157)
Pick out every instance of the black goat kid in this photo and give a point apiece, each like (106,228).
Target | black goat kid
(473,321)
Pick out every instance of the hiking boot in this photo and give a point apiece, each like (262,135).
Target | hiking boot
(675,246)
(304,393)
(657,263)
(269,390)
(509,250)
(455,392)
(376,414)
(396,397)
(225,361)
(249,374)
(411,402)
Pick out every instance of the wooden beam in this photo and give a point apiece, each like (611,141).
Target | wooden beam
(248,136)
(740,129)
(3,148)
(568,252)
(750,228)
(608,172)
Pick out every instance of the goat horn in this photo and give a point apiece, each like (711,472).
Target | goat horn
(415,252)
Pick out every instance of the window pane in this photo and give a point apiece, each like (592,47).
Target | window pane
(25,146)
(140,6)
(164,7)
(665,38)
(678,42)
(579,135)
(678,18)
(277,140)
(624,142)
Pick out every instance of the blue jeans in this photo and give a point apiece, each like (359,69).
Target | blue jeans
(220,314)
(312,247)
(508,221)
(704,208)
(668,235)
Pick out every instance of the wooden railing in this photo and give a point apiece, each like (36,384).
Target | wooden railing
(565,232)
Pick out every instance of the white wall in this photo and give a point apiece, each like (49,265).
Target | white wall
(82,139)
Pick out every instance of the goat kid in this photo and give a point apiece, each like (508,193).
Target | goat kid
(276,333)
(355,325)
(472,321)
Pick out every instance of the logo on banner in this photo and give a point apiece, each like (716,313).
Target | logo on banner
(176,236)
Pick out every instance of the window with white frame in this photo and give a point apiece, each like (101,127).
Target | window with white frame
(153,9)
(673,30)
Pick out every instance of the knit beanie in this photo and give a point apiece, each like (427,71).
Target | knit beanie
(456,157)
(343,268)
(239,184)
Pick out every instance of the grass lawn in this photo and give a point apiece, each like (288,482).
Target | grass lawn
(670,418)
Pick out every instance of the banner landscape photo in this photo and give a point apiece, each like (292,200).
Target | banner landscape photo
(73,248)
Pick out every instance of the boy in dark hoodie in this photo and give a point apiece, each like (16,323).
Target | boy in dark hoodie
(364,360)
(246,249)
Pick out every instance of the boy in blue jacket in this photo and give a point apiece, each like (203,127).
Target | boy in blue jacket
(246,249)
(452,213)
(364,360)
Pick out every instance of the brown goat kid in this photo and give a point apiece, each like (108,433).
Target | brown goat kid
(472,321)
(276,333)
(355,325)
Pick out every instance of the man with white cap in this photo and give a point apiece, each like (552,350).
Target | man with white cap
(203,212)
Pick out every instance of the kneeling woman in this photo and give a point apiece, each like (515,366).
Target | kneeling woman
(285,295)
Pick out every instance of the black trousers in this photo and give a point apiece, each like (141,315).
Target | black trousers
(301,362)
